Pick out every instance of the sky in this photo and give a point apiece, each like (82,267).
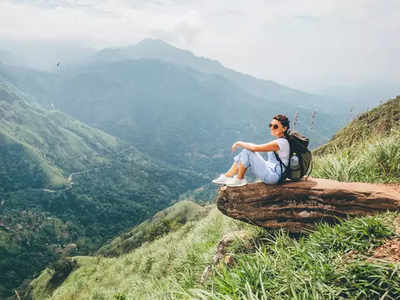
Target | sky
(305,44)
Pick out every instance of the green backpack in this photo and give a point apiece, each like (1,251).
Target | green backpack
(300,158)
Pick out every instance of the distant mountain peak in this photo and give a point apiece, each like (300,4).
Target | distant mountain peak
(160,47)
(146,47)
(153,42)
(157,49)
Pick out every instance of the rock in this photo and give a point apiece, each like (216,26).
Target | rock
(220,253)
(229,260)
(297,206)
(70,249)
(61,269)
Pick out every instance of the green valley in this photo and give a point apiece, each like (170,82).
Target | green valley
(67,188)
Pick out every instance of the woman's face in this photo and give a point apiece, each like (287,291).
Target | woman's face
(276,128)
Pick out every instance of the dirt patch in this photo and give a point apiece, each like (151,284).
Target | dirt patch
(390,251)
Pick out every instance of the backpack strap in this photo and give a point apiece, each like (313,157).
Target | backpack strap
(283,174)
(310,168)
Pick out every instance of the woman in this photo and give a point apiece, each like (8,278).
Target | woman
(268,171)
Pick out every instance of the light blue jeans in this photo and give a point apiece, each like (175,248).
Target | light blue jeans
(269,171)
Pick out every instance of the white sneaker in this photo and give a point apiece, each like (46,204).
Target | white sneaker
(236,182)
(222,179)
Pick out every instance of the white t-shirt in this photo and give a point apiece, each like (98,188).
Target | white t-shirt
(284,150)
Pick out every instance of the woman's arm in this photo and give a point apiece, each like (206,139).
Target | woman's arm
(271,146)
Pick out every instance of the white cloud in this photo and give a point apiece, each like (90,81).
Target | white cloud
(303,43)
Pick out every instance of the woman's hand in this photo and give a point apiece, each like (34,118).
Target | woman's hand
(236,145)
(249,146)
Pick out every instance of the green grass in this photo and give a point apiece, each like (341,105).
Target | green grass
(379,121)
(376,160)
(164,222)
(313,266)
(331,262)
(156,270)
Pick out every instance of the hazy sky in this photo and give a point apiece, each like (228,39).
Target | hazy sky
(301,43)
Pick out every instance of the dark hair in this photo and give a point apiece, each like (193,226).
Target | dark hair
(284,121)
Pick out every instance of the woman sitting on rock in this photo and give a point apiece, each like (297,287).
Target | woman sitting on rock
(268,171)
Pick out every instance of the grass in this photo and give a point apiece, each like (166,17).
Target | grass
(165,221)
(313,266)
(330,262)
(157,270)
(374,160)
(379,121)
(327,263)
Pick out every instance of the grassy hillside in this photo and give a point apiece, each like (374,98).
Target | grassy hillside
(45,146)
(164,222)
(355,259)
(330,263)
(380,121)
(67,188)
(149,271)
(366,150)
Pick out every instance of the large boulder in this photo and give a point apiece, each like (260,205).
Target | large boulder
(299,205)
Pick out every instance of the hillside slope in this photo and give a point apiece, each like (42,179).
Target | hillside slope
(147,272)
(380,121)
(328,263)
(366,150)
(356,259)
(65,183)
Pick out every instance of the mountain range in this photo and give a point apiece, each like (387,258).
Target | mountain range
(93,149)
(174,106)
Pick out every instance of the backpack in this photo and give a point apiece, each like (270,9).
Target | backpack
(298,152)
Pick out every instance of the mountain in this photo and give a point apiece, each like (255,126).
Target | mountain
(35,86)
(266,89)
(182,116)
(65,186)
(178,108)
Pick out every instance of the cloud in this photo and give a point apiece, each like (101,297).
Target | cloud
(299,43)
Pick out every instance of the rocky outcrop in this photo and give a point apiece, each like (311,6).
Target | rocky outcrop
(299,205)
(221,252)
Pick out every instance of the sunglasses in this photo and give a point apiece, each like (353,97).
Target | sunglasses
(274,126)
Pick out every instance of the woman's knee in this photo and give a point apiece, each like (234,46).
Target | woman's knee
(242,158)
(247,152)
